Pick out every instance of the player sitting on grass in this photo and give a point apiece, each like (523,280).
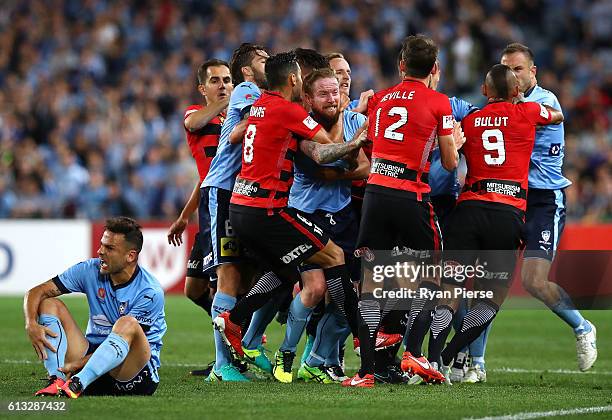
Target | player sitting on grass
(119,353)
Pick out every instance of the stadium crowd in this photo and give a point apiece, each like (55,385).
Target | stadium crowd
(93,91)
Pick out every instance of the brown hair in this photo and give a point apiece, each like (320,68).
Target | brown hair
(419,54)
(318,74)
(517,47)
(129,228)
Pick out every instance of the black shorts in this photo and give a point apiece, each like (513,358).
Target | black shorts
(225,247)
(195,263)
(443,206)
(544,222)
(342,228)
(490,233)
(284,238)
(141,384)
(392,219)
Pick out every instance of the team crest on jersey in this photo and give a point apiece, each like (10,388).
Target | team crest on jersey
(546,237)
(447,122)
(555,149)
(310,123)
(101,293)
(543,112)
(123,307)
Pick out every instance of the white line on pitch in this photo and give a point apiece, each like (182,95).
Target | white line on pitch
(540,414)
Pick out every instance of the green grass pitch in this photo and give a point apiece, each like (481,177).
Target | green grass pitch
(530,361)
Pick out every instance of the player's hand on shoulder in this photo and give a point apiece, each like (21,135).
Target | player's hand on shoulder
(175,234)
(458,136)
(38,336)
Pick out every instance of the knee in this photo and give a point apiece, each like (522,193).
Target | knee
(52,306)
(530,281)
(126,326)
(313,293)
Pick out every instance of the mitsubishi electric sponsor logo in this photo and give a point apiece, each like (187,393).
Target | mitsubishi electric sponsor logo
(295,253)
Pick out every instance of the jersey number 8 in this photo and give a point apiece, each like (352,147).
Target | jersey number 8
(248,143)
(497,146)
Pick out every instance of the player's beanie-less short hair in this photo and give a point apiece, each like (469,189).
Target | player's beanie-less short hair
(310,59)
(129,228)
(213,62)
(517,47)
(242,56)
(278,68)
(318,74)
(419,54)
(498,78)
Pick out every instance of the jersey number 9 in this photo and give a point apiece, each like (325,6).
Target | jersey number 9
(497,146)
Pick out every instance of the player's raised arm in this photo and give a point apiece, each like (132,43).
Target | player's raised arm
(327,153)
(36,332)
(198,119)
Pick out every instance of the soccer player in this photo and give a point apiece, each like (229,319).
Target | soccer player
(323,193)
(202,124)
(119,353)
(247,72)
(343,71)
(282,236)
(499,141)
(546,208)
(397,212)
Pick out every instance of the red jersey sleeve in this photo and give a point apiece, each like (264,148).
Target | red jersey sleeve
(300,123)
(190,110)
(446,122)
(536,113)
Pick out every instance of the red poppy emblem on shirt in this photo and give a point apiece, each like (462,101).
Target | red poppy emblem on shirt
(101,293)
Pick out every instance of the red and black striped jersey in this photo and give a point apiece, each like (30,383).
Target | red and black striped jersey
(405,121)
(498,146)
(203,142)
(268,151)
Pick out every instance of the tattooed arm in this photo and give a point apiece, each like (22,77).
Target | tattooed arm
(31,302)
(327,153)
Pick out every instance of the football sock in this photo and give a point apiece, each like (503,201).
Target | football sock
(269,285)
(221,303)
(369,321)
(296,322)
(479,346)
(441,326)
(315,317)
(341,290)
(566,310)
(420,317)
(260,321)
(110,354)
(60,343)
(474,323)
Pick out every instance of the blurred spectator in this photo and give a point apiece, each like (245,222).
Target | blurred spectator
(92,91)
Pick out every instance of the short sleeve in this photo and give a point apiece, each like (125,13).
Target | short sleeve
(446,121)
(148,307)
(244,96)
(461,108)
(73,279)
(537,113)
(300,123)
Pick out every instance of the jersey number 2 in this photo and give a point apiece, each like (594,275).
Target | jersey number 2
(497,146)
(248,143)
(390,132)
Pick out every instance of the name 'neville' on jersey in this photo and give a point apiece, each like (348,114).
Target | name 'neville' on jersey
(405,121)
(203,143)
(269,149)
(498,146)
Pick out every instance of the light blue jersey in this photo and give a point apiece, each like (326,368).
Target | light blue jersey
(309,193)
(226,164)
(547,156)
(441,181)
(352,105)
(141,297)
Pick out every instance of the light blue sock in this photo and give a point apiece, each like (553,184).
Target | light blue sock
(338,333)
(260,321)
(221,303)
(111,353)
(54,360)
(326,338)
(478,347)
(566,310)
(296,323)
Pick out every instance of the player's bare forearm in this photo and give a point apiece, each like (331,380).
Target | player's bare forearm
(556,115)
(237,133)
(33,297)
(192,204)
(201,117)
(178,227)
